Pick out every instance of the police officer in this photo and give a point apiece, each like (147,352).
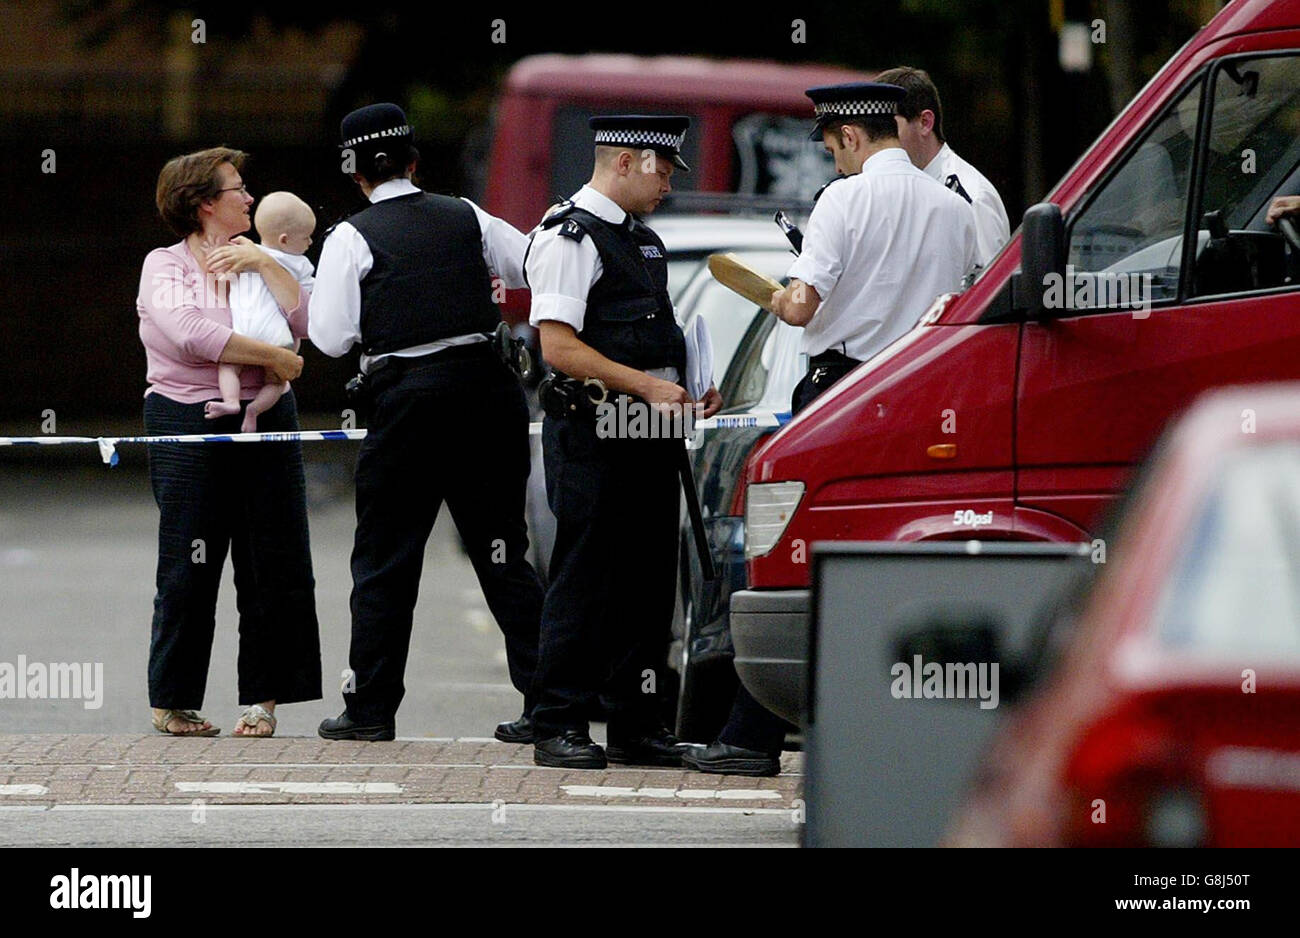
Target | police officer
(883,240)
(920,130)
(409,278)
(599,281)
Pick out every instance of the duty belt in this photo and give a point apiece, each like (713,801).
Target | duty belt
(832,358)
(562,396)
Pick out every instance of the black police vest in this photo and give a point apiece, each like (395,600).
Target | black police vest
(429,280)
(629,317)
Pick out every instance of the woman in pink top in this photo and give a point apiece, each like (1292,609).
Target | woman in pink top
(213,498)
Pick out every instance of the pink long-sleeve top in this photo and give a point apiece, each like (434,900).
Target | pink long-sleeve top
(184,327)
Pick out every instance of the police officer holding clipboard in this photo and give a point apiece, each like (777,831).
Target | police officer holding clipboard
(599,281)
(409,279)
(884,239)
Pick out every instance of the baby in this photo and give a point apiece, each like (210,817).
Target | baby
(285,223)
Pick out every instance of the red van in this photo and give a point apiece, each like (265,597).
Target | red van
(1017,409)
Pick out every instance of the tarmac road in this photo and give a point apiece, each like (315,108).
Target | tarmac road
(77,545)
(77,555)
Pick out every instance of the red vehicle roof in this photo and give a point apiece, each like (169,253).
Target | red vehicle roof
(670,78)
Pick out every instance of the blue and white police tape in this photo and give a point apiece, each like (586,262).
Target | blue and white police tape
(108,444)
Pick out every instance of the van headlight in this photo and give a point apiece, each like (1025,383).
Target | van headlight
(769,506)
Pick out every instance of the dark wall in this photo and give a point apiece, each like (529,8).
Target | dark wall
(72,242)
(73,246)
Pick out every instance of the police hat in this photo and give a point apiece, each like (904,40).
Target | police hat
(663,133)
(371,128)
(856,99)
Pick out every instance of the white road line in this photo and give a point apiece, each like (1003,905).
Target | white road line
(23,790)
(509,806)
(515,766)
(724,794)
(290,788)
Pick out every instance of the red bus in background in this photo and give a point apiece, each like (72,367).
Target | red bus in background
(749,128)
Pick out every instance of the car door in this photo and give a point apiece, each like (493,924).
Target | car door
(1211,290)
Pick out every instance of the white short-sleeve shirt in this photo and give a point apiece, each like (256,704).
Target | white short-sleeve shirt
(880,246)
(992,230)
(334,317)
(562,271)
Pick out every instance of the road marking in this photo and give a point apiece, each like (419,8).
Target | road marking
(23,790)
(171,767)
(511,807)
(724,794)
(290,788)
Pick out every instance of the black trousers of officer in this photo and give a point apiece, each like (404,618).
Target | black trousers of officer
(453,427)
(613,569)
(750,724)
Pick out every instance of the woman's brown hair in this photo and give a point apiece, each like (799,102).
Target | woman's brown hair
(187,181)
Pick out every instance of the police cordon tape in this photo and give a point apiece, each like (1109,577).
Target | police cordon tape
(108,444)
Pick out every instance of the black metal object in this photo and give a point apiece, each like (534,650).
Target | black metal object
(513,352)
(790,229)
(696,516)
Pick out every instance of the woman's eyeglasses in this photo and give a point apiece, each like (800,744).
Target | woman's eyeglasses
(243,189)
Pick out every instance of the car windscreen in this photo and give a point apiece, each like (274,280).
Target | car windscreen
(1236,584)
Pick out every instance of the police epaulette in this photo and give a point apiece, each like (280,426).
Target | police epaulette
(570,228)
(557,213)
(818,194)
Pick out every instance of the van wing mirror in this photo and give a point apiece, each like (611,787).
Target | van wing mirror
(1042,254)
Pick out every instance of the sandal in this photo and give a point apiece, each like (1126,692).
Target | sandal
(187,716)
(252,716)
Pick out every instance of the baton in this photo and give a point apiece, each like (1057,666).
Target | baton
(693,510)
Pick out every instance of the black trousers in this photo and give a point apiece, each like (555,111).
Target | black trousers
(453,427)
(247,499)
(613,572)
(751,725)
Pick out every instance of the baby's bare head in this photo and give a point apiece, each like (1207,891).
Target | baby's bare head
(285,222)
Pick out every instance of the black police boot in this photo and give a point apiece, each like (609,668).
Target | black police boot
(342,727)
(721,759)
(516,731)
(573,749)
(656,747)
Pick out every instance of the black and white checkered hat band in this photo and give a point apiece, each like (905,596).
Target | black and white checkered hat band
(855,108)
(402,131)
(640,138)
